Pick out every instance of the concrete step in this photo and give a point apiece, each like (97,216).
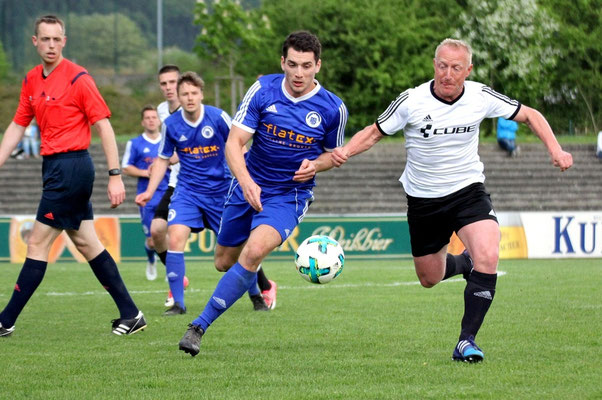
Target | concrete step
(368,183)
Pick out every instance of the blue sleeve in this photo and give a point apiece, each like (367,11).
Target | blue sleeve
(335,134)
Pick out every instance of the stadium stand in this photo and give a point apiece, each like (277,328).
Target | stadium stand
(369,184)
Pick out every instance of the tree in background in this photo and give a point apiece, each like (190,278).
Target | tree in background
(106,41)
(370,52)
(4,66)
(513,47)
(577,79)
(228,30)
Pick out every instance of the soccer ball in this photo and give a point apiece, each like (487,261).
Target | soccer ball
(319,259)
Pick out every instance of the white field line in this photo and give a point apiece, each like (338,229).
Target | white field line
(307,286)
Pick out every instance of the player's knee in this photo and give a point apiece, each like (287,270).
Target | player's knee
(427,282)
(486,261)
(222,266)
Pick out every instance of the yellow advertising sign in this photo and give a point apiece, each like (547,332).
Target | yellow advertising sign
(513,243)
(107,228)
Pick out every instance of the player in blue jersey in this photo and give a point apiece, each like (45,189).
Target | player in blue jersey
(197,134)
(139,154)
(294,123)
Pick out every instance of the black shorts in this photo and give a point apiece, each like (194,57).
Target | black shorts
(68,179)
(163,207)
(432,221)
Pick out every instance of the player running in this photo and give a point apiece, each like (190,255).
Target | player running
(294,122)
(443,178)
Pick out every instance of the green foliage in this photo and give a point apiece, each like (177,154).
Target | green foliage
(374,333)
(370,54)
(9,99)
(5,74)
(578,78)
(227,31)
(106,41)
(512,47)
(125,110)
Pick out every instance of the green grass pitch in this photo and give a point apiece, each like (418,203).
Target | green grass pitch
(373,333)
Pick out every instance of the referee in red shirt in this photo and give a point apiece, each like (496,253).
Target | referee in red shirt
(64,100)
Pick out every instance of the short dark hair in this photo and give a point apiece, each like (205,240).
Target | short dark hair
(169,68)
(302,41)
(48,19)
(193,78)
(146,108)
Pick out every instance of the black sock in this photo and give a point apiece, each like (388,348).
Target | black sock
(106,272)
(478,295)
(456,265)
(262,280)
(162,256)
(28,281)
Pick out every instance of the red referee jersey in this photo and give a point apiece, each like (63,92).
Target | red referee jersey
(65,104)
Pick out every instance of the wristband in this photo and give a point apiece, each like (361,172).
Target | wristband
(115,171)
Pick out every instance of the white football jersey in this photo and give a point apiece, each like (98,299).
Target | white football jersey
(163,111)
(442,138)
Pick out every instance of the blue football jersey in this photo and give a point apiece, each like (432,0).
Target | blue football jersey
(140,152)
(200,146)
(286,130)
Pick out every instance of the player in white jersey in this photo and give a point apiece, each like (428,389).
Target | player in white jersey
(294,123)
(443,178)
(139,154)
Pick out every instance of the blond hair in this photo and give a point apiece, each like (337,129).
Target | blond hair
(456,43)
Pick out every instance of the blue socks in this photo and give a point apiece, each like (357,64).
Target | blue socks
(106,272)
(150,254)
(254,288)
(176,268)
(230,288)
(28,281)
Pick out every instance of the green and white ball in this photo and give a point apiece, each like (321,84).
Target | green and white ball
(319,259)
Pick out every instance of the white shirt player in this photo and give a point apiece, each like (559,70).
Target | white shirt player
(163,111)
(442,137)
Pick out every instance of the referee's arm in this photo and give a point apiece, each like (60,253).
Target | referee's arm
(115,189)
(10,140)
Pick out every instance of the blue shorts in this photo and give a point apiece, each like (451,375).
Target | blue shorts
(283,212)
(68,179)
(147,213)
(196,211)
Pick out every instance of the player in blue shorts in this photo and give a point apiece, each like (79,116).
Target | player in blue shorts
(294,123)
(139,154)
(198,135)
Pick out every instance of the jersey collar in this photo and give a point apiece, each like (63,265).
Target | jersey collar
(198,121)
(153,141)
(445,101)
(304,97)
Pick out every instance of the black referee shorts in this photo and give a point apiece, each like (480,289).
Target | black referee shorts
(432,221)
(68,179)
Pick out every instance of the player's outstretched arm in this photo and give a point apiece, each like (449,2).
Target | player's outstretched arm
(539,125)
(10,140)
(116,189)
(360,142)
(235,150)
